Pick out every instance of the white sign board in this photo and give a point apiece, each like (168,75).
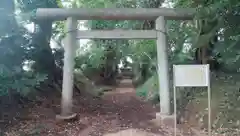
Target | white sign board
(191,75)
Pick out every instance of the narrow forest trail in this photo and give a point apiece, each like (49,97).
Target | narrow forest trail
(119,113)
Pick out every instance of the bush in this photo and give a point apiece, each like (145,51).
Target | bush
(19,81)
(149,90)
(13,77)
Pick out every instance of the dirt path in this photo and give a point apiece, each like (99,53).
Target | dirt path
(119,113)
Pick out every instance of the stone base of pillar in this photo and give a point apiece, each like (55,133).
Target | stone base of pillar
(70,117)
(165,119)
(165,122)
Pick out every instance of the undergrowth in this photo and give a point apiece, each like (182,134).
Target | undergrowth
(225,100)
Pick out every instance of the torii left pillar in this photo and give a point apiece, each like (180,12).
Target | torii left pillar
(68,70)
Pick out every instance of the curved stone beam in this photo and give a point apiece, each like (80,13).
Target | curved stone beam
(115,13)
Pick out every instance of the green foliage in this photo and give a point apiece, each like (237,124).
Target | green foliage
(40,41)
(227,13)
(14,52)
(31,5)
(19,81)
(149,90)
(143,54)
(19,69)
(18,46)
(91,61)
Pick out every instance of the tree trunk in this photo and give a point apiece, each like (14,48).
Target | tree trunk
(43,56)
(109,69)
(8,22)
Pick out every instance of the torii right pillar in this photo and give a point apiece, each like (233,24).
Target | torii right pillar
(163,69)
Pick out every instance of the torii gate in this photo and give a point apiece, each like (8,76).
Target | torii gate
(72,15)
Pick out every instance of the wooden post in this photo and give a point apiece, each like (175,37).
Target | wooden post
(68,69)
(163,71)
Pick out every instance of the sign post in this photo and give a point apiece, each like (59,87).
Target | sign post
(191,76)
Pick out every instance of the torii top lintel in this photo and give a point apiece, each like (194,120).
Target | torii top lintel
(114,13)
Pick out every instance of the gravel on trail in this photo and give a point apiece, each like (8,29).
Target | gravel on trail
(118,113)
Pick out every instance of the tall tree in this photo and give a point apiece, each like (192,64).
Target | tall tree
(42,53)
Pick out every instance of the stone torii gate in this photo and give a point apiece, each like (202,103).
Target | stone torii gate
(72,15)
